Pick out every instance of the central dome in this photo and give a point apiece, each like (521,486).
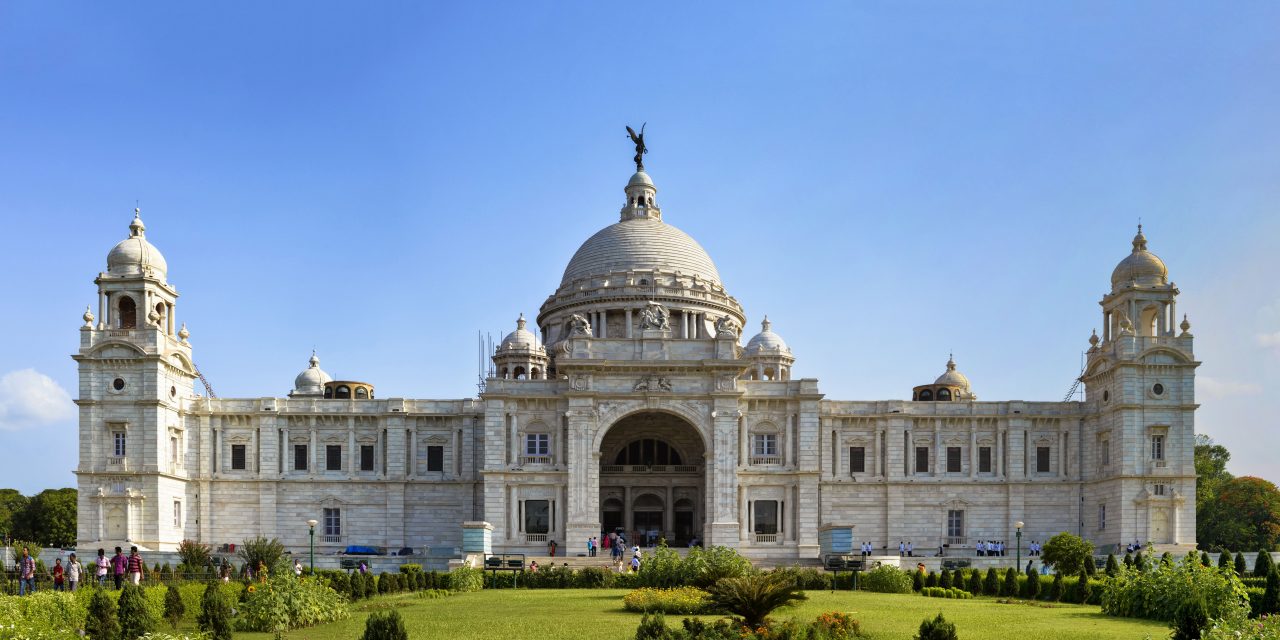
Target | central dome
(640,244)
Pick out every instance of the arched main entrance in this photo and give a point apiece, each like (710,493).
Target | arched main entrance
(652,479)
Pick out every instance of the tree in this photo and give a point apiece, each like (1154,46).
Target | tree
(1010,586)
(196,556)
(1067,553)
(992,585)
(1241,567)
(215,613)
(135,618)
(1086,590)
(1244,514)
(13,509)
(1204,559)
(1211,473)
(260,552)
(51,517)
(1055,591)
(975,582)
(101,622)
(1031,588)
(1113,567)
(754,597)
(1271,595)
(173,607)
(1263,565)
(1224,560)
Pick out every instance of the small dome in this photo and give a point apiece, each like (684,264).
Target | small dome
(1141,267)
(134,256)
(312,379)
(766,340)
(640,178)
(952,377)
(521,338)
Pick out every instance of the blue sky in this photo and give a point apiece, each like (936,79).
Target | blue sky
(888,181)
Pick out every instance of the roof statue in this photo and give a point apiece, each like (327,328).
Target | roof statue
(640,148)
(655,316)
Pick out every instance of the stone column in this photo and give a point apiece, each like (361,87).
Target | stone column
(743,437)
(583,472)
(102,308)
(351,447)
(628,522)
(939,457)
(668,518)
(973,447)
(723,484)
(455,452)
(513,452)
(909,455)
(284,451)
(314,454)
(999,470)
(742,514)
(411,465)
(876,470)
(793,441)
(513,514)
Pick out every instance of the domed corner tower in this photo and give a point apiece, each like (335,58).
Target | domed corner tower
(520,356)
(637,278)
(951,386)
(1140,379)
(136,373)
(769,355)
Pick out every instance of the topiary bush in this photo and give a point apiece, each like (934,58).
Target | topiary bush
(939,592)
(1224,560)
(653,627)
(1241,568)
(1270,604)
(932,581)
(1031,586)
(937,629)
(1056,591)
(975,582)
(385,625)
(174,609)
(215,613)
(594,578)
(1263,564)
(1113,567)
(1191,617)
(101,623)
(135,618)
(917,580)
(886,579)
(991,586)
(1009,588)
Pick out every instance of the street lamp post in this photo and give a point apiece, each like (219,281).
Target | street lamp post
(1018,535)
(312,525)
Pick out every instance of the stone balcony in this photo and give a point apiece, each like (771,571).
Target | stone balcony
(615,469)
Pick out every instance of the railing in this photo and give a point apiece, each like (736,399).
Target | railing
(535,459)
(650,468)
(330,539)
(117,463)
(766,459)
(1160,464)
(766,537)
(535,537)
(955,540)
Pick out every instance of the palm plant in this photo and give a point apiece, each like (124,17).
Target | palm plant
(754,597)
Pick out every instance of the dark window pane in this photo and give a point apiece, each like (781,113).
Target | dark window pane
(366,457)
(299,457)
(333,457)
(237,457)
(1042,459)
(332,522)
(922,459)
(953,459)
(984,460)
(857,459)
(537,516)
(435,458)
(766,513)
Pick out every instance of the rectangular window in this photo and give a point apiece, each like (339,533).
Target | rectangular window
(1102,516)
(333,522)
(1157,447)
(1106,453)
(537,444)
(435,458)
(366,457)
(333,457)
(857,459)
(1042,459)
(766,516)
(299,457)
(1159,489)
(922,459)
(177,514)
(984,459)
(237,457)
(173,451)
(955,524)
(117,437)
(953,459)
(766,444)
(537,516)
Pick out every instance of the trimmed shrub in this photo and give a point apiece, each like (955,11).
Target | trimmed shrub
(173,607)
(355,586)
(1204,559)
(1158,593)
(1090,567)
(975,582)
(1271,595)
(1128,560)
(1009,588)
(1241,567)
(215,613)
(653,627)
(1031,587)
(594,578)
(1263,564)
(937,629)
(932,581)
(917,580)
(991,586)
(1113,567)
(1055,591)
(939,592)
(676,601)
(1224,560)
(944,580)
(1140,562)
(101,622)
(466,579)
(1166,559)
(135,619)
(1190,619)
(886,579)
(385,625)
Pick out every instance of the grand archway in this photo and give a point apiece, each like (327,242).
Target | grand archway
(652,486)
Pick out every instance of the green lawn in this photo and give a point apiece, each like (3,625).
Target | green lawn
(555,614)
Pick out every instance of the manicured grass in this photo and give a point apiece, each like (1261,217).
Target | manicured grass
(555,614)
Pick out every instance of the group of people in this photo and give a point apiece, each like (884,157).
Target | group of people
(987,548)
(1035,548)
(1134,547)
(70,576)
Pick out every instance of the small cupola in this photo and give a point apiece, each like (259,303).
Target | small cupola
(641,199)
(951,386)
(769,354)
(521,356)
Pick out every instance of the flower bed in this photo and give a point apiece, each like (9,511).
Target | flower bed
(678,600)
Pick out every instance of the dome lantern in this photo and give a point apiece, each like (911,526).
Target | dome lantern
(310,383)
(135,256)
(1140,268)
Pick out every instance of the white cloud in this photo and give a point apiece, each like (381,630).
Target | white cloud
(1270,340)
(29,398)
(1213,388)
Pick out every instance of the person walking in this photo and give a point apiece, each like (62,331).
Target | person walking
(101,568)
(26,573)
(59,575)
(119,566)
(136,566)
(74,570)
(297,568)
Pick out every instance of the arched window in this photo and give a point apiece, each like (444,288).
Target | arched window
(944,394)
(648,451)
(362,393)
(127,313)
(534,374)
(518,374)
(926,395)
(328,392)
(343,393)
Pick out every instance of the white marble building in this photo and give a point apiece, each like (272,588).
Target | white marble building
(635,406)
